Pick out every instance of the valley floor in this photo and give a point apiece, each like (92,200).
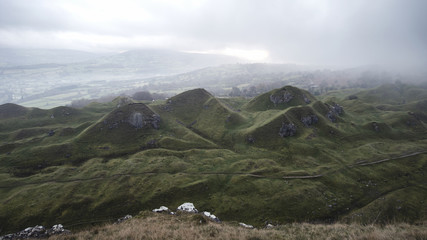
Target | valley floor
(193,226)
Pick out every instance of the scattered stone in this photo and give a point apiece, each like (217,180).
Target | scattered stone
(37,232)
(352,97)
(161,209)
(187,207)
(56,229)
(122,219)
(246,225)
(211,216)
(51,133)
(288,130)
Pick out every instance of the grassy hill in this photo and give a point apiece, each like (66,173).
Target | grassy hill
(284,157)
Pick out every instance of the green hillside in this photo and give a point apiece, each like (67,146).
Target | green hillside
(283,156)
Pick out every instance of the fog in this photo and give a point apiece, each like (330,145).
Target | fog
(328,32)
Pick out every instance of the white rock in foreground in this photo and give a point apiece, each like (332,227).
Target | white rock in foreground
(246,225)
(161,209)
(58,228)
(187,207)
(269,226)
(211,216)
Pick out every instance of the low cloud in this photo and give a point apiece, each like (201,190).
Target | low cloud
(308,31)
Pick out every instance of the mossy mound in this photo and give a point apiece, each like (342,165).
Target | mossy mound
(126,125)
(282,98)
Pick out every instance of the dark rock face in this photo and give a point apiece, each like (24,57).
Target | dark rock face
(139,120)
(288,130)
(309,120)
(282,97)
(37,232)
(136,120)
(334,110)
(331,116)
(337,109)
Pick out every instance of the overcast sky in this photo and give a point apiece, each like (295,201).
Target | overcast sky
(293,31)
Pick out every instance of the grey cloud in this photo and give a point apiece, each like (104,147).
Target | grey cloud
(308,31)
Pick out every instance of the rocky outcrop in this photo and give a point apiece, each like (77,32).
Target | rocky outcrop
(288,130)
(139,120)
(309,120)
(187,207)
(337,109)
(37,232)
(282,97)
(334,111)
(211,216)
(331,116)
(122,219)
(246,225)
(161,210)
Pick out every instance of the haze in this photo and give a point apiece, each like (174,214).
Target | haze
(308,32)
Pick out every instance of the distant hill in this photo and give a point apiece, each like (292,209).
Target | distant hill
(10,57)
(161,62)
(49,78)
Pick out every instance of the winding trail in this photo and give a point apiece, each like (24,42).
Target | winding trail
(361,163)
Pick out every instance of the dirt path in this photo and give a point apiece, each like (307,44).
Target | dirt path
(364,163)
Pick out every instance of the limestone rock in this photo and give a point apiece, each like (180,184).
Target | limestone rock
(161,209)
(246,225)
(36,232)
(122,219)
(187,207)
(211,216)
